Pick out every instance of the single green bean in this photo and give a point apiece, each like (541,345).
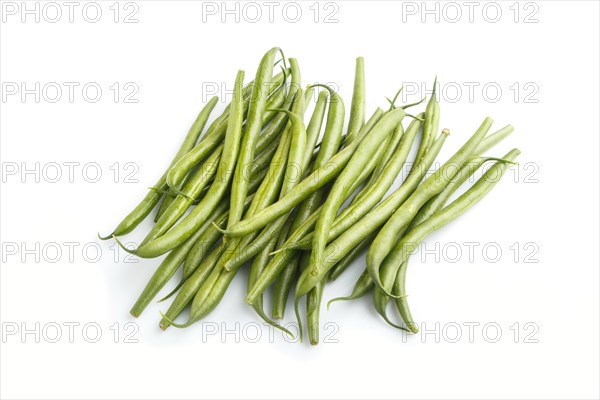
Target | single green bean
(357,109)
(170,264)
(282,288)
(195,218)
(350,238)
(281,259)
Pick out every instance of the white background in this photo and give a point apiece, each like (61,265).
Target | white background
(170,54)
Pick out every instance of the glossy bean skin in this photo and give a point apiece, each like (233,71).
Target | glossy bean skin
(198,215)
(388,235)
(258,105)
(141,211)
(398,257)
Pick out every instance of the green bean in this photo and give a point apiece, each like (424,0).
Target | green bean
(401,304)
(405,246)
(313,129)
(202,263)
(262,161)
(276,99)
(371,122)
(313,182)
(211,236)
(313,303)
(141,211)
(192,285)
(258,104)
(357,109)
(194,219)
(386,238)
(258,264)
(314,297)
(493,139)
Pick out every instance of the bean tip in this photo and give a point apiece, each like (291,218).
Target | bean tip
(105,237)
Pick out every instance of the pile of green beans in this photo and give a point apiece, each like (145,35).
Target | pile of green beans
(260,188)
